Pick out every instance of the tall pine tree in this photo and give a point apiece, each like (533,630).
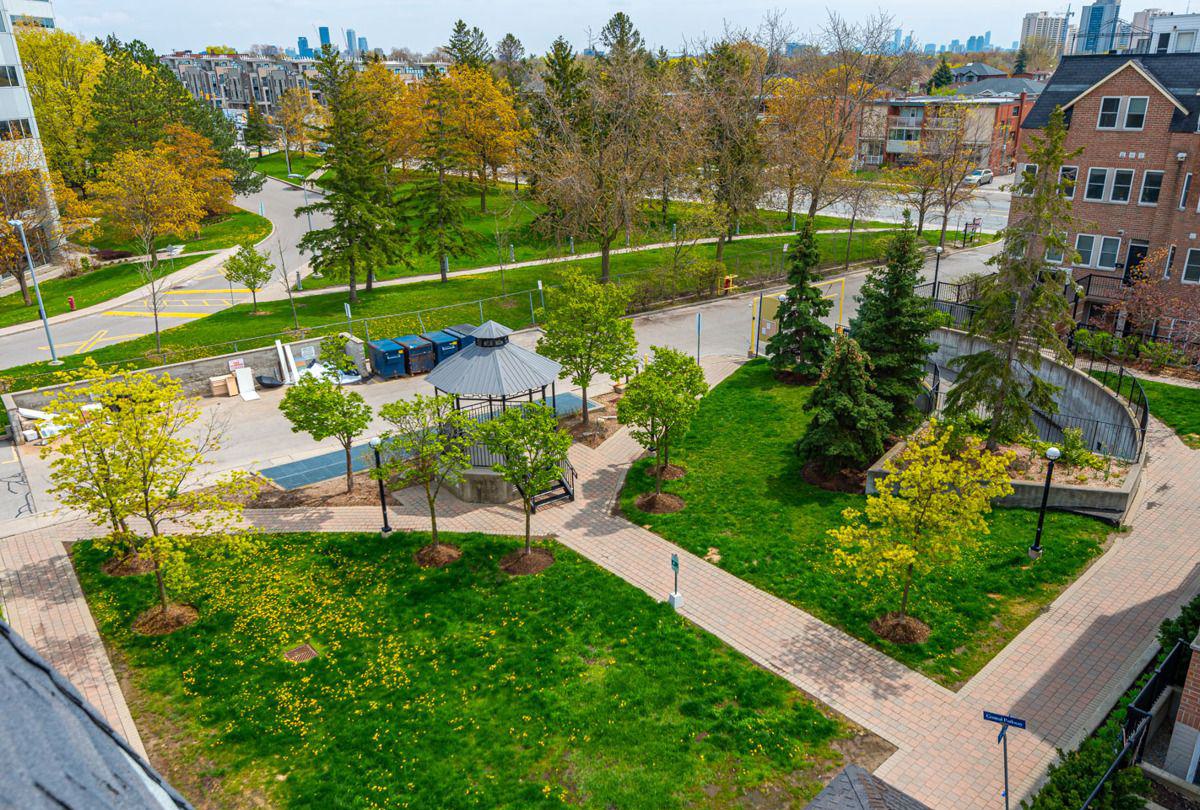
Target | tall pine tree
(893,325)
(364,231)
(257,133)
(799,346)
(468,47)
(849,422)
(942,76)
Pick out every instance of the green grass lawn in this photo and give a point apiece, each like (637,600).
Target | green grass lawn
(746,498)
(455,300)
(1178,406)
(450,688)
(91,288)
(216,233)
(275,164)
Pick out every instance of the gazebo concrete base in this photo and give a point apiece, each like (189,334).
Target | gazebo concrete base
(483,485)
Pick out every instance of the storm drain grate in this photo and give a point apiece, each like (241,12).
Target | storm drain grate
(304,652)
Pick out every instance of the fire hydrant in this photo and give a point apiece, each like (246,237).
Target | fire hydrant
(71,302)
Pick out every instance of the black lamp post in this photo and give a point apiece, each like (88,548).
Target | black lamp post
(937,266)
(375,444)
(1035,551)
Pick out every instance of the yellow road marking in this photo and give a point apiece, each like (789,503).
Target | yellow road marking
(90,343)
(149,314)
(191,292)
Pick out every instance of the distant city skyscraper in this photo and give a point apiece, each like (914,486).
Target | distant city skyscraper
(323,33)
(1099,27)
(362,45)
(1041,26)
(351,40)
(897,37)
(302,47)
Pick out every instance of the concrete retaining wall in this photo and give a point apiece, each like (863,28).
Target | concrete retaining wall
(194,375)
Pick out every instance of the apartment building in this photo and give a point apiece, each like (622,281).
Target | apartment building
(233,82)
(18,126)
(892,131)
(1136,183)
(1042,26)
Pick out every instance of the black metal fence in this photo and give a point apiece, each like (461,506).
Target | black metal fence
(1113,374)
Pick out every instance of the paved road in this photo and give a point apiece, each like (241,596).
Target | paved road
(194,292)
(989,204)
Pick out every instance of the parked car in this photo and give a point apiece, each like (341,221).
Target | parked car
(979,177)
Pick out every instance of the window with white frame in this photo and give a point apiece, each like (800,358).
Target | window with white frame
(1187,189)
(1191,268)
(1097,183)
(1122,185)
(1067,176)
(1026,175)
(1170,262)
(1109,185)
(1185,42)
(1097,251)
(1151,188)
(1123,112)
(1054,255)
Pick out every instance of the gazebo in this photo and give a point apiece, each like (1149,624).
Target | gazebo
(485,379)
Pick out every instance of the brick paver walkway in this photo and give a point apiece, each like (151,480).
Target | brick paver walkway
(1061,673)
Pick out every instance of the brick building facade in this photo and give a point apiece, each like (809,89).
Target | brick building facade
(1135,185)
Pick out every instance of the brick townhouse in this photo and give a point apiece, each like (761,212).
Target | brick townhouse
(1136,186)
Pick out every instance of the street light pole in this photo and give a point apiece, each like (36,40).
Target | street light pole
(304,189)
(20,226)
(1035,551)
(937,266)
(386,529)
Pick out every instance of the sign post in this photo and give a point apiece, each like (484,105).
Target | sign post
(1005,722)
(674,599)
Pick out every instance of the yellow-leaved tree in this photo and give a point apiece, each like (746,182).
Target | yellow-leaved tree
(143,195)
(930,509)
(296,118)
(397,114)
(483,120)
(195,158)
(131,455)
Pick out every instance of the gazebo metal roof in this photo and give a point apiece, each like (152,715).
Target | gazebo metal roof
(494,368)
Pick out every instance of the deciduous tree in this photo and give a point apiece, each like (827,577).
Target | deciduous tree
(892,326)
(251,269)
(41,203)
(296,118)
(482,118)
(323,409)
(929,511)
(533,449)
(800,343)
(584,330)
(194,157)
(429,445)
(849,422)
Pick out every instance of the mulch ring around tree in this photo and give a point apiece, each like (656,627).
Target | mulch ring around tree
(437,555)
(852,481)
(662,503)
(520,564)
(159,622)
(129,565)
(900,629)
(670,472)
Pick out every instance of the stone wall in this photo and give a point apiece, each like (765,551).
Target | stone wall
(194,375)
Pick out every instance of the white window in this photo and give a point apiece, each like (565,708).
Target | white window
(1151,188)
(1119,112)
(1187,189)
(1067,176)
(1097,182)
(1026,175)
(1110,108)
(1135,112)
(1054,255)
(1185,42)
(1084,245)
(1110,246)
(1170,262)
(1191,268)
(1097,251)
(1122,185)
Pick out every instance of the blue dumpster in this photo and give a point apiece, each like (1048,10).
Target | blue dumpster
(418,353)
(444,344)
(463,332)
(387,358)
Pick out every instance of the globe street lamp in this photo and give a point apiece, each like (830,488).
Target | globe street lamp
(937,266)
(375,445)
(20,226)
(1035,551)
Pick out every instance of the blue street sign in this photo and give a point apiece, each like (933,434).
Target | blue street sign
(1004,720)
(674,562)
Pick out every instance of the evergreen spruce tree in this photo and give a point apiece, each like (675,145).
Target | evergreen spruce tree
(257,133)
(1020,61)
(942,76)
(364,232)
(849,422)
(468,47)
(892,326)
(799,346)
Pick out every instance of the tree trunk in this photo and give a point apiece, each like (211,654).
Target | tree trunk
(352,283)
(920,221)
(528,543)
(23,283)
(483,189)
(720,255)
(791,203)
(605,246)
(349,468)
(907,584)
(370,278)
(945,224)
(666,199)
(432,499)
(850,237)
(254,298)
(584,410)
(162,586)
(444,267)
(812,205)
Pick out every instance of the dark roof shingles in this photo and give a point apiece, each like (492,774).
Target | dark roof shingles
(856,789)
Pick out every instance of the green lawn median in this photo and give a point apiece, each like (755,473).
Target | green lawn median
(216,233)
(749,506)
(449,687)
(275,165)
(1178,406)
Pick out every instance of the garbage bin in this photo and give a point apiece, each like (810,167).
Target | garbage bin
(463,331)
(444,344)
(418,353)
(387,358)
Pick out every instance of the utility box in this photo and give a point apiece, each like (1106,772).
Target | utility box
(418,354)
(463,332)
(445,345)
(387,358)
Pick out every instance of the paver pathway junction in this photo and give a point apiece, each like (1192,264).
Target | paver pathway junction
(1062,673)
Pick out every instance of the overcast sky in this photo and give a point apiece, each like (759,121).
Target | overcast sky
(423,24)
